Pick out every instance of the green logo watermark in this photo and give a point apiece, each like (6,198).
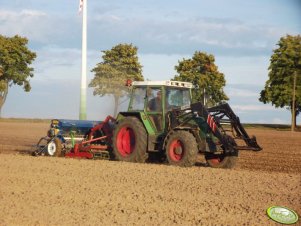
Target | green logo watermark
(282,214)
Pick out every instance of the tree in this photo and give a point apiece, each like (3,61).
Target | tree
(202,72)
(119,64)
(284,83)
(15,58)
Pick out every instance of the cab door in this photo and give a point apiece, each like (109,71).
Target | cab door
(154,107)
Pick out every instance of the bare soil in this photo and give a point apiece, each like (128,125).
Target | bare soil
(61,191)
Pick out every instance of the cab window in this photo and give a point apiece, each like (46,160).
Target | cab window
(154,100)
(138,97)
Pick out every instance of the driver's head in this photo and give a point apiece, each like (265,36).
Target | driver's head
(159,94)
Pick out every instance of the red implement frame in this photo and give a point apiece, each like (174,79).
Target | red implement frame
(85,149)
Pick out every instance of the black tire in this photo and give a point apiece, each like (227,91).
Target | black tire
(54,148)
(130,141)
(181,149)
(222,160)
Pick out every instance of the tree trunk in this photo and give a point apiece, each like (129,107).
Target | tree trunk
(293,127)
(293,121)
(116,99)
(3,95)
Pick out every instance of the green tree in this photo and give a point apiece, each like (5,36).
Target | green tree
(202,72)
(15,58)
(119,64)
(283,87)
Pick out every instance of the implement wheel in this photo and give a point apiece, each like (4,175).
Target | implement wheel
(181,149)
(54,148)
(130,141)
(223,159)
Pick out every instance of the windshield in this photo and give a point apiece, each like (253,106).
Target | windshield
(176,97)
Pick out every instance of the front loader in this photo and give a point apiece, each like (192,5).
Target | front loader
(161,121)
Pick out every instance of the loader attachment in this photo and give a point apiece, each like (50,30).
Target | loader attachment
(221,120)
(226,120)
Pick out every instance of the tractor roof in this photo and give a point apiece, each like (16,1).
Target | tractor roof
(164,83)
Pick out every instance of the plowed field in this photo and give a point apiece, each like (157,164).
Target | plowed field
(60,191)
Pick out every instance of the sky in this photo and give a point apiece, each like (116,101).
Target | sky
(240,34)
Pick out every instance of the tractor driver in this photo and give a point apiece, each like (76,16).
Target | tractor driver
(155,103)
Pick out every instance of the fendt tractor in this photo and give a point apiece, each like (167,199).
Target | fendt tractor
(161,123)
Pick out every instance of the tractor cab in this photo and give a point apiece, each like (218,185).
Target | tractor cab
(153,99)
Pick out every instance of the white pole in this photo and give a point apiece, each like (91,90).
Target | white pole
(83,89)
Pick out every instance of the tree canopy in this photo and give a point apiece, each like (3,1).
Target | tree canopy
(15,60)
(202,72)
(119,64)
(285,67)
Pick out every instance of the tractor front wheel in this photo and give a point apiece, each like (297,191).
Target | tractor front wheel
(54,148)
(181,149)
(220,160)
(223,159)
(130,140)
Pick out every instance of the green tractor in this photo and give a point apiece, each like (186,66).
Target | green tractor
(163,124)
(161,120)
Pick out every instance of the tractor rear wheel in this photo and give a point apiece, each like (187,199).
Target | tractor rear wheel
(223,159)
(130,140)
(54,148)
(181,149)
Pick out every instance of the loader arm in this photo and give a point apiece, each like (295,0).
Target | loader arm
(223,114)
(216,118)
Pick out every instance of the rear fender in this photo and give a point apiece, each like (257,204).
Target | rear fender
(141,116)
(151,136)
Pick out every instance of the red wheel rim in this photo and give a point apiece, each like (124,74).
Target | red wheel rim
(176,150)
(125,141)
(217,159)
